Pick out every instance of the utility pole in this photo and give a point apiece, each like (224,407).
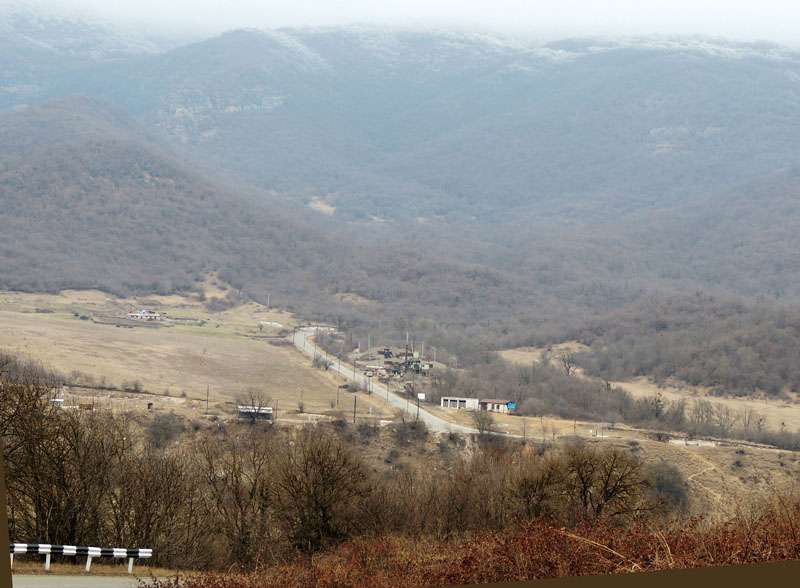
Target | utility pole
(207,392)
(417,407)
(354,409)
(268,295)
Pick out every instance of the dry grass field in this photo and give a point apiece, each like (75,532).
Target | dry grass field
(171,363)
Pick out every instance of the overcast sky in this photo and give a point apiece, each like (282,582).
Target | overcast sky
(737,19)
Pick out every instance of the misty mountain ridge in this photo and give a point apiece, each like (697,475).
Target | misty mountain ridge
(66,31)
(553,178)
(372,127)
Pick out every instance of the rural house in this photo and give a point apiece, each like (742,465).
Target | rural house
(497,405)
(144,315)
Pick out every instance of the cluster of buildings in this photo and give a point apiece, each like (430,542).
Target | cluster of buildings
(144,315)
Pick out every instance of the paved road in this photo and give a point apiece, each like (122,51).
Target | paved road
(380,391)
(48,581)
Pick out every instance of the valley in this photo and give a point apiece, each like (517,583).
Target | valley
(124,365)
(247,275)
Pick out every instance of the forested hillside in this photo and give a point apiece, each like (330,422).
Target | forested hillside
(475,191)
(731,348)
(90,201)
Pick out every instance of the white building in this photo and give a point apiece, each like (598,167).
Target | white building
(460,403)
(144,315)
(260,412)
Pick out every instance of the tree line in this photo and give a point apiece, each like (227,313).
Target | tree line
(238,494)
(549,387)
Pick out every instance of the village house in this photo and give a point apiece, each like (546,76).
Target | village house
(144,315)
(497,405)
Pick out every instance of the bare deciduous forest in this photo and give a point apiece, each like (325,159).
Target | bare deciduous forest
(267,500)
(475,194)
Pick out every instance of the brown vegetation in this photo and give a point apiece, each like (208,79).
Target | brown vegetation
(534,550)
(255,493)
(731,348)
(300,507)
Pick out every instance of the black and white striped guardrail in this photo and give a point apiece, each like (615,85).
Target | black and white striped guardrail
(47,550)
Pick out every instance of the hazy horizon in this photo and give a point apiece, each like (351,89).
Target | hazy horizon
(739,20)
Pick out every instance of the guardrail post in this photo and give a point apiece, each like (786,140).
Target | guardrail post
(47,550)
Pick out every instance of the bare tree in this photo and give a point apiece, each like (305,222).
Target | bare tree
(607,483)
(533,484)
(256,399)
(483,421)
(567,361)
(238,477)
(320,485)
(747,417)
(725,418)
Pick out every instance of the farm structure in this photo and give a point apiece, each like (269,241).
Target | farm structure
(460,403)
(144,315)
(498,405)
(260,412)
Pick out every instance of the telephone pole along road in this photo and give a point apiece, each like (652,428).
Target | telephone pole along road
(433,423)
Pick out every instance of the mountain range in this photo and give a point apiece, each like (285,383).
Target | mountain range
(568,177)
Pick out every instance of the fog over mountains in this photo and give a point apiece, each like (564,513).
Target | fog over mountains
(579,175)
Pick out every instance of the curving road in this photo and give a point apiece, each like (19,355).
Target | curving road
(381,391)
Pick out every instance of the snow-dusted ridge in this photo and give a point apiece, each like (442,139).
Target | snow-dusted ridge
(69,31)
(54,26)
(391,42)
